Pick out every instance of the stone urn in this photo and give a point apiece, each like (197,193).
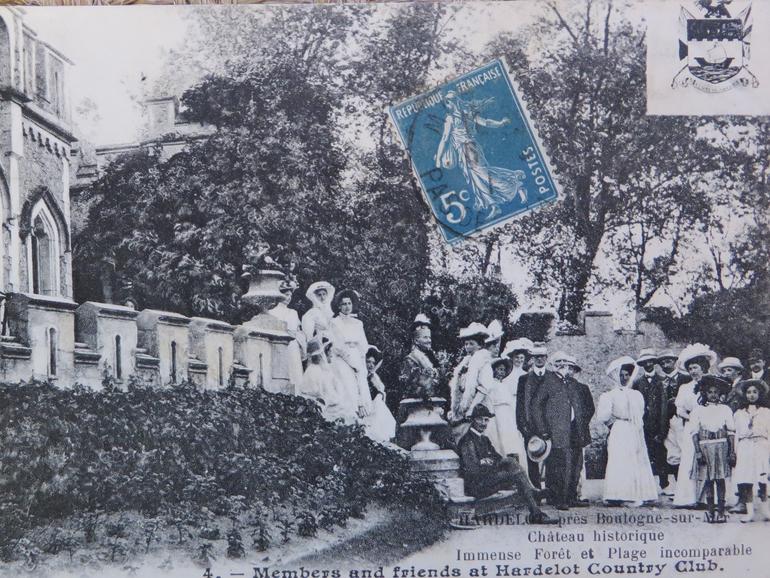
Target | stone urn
(264,288)
(424,427)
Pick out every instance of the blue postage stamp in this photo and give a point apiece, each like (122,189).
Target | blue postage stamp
(475,152)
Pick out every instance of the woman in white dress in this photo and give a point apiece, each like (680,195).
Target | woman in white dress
(628,477)
(501,399)
(351,347)
(470,378)
(317,321)
(345,385)
(296,348)
(696,359)
(319,384)
(380,424)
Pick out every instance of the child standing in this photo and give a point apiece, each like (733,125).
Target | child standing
(752,429)
(713,434)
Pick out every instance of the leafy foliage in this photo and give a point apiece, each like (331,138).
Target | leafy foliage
(634,185)
(182,456)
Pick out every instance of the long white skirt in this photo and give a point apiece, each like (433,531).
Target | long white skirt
(380,424)
(629,473)
(347,387)
(503,433)
(686,488)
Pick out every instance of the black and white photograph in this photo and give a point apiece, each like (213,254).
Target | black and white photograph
(385,289)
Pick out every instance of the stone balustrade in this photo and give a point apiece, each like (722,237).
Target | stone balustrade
(55,338)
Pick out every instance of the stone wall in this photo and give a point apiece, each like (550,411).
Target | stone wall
(595,345)
(54,338)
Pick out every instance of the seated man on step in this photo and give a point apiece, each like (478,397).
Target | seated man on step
(486,472)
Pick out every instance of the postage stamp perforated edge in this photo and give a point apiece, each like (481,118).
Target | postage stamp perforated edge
(532,130)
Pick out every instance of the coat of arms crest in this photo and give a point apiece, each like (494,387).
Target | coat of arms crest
(715,47)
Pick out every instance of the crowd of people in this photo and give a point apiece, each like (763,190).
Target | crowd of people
(520,416)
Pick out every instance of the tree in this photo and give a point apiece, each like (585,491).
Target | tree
(630,182)
(278,171)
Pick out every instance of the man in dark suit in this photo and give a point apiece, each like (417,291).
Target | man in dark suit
(528,385)
(655,420)
(486,472)
(671,378)
(561,412)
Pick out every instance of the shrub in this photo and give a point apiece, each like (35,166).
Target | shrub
(184,456)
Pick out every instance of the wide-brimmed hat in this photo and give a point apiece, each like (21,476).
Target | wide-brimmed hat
(709,380)
(494,331)
(506,361)
(756,355)
(520,345)
(697,352)
(668,354)
(744,384)
(319,285)
(473,330)
(647,354)
(733,362)
(538,449)
(481,411)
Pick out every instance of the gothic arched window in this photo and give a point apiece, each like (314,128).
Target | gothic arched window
(43,252)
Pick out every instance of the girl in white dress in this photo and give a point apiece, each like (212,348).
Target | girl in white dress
(752,431)
(380,424)
(628,477)
(501,399)
(696,359)
(351,347)
(319,383)
(713,433)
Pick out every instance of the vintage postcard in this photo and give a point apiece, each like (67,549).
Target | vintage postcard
(385,290)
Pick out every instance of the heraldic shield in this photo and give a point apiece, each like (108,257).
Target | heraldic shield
(716,47)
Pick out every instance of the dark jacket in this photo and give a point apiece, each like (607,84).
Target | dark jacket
(552,407)
(655,419)
(529,383)
(472,448)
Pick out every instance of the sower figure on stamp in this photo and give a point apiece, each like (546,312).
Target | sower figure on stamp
(529,383)
(655,421)
(560,413)
(486,472)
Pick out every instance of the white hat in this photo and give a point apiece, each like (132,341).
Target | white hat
(730,362)
(613,369)
(474,330)
(538,449)
(494,331)
(567,358)
(647,354)
(421,319)
(538,350)
(319,285)
(696,350)
(520,344)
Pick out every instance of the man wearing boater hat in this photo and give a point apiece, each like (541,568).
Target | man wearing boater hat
(528,384)
(731,369)
(486,472)
(561,413)
(655,420)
